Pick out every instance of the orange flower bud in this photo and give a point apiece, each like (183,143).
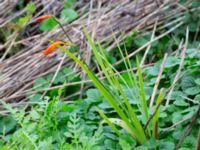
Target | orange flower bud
(52,47)
(41,18)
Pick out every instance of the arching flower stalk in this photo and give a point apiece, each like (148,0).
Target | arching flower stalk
(44,17)
(54,46)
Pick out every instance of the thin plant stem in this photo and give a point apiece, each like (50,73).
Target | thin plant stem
(65,32)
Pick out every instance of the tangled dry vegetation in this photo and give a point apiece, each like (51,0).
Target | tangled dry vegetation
(103,19)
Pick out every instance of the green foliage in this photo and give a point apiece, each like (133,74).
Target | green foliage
(69,3)
(126,142)
(135,129)
(7,123)
(48,126)
(30,9)
(68,14)
(48,24)
(77,133)
(53,124)
(123,108)
(64,76)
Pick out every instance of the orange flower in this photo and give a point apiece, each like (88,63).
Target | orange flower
(41,18)
(52,47)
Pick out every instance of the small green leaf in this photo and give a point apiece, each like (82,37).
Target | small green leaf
(177,95)
(60,78)
(127,142)
(176,116)
(152,143)
(35,97)
(124,144)
(178,133)
(192,91)
(31,7)
(190,142)
(167,145)
(141,41)
(48,24)
(180,102)
(23,20)
(68,134)
(46,144)
(197,98)
(68,3)
(40,83)
(154,70)
(141,148)
(197,81)
(34,115)
(67,71)
(187,82)
(109,135)
(110,145)
(7,124)
(104,105)
(93,95)
(171,62)
(68,15)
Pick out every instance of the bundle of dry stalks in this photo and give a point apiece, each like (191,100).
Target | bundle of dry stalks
(104,20)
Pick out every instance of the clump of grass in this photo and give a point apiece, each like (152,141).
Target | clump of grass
(117,98)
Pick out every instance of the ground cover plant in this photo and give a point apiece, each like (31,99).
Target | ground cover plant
(149,101)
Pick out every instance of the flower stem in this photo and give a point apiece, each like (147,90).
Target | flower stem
(65,32)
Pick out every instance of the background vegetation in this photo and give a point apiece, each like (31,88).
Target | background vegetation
(116,101)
